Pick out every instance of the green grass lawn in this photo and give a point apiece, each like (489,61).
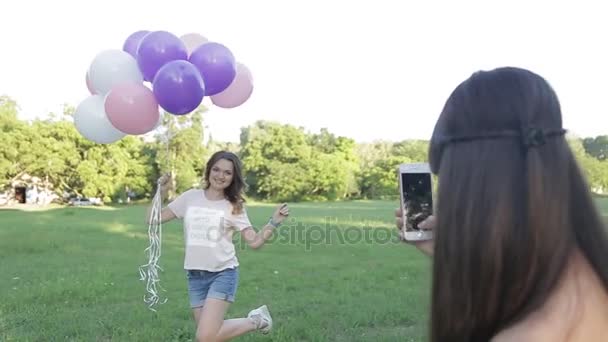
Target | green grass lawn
(335,272)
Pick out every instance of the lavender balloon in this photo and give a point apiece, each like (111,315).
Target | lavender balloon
(178,87)
(216,64)
(157,49)
(132,42)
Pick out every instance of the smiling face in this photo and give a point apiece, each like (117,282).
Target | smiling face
(221,175)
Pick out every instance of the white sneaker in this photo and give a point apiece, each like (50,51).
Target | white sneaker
(261,318)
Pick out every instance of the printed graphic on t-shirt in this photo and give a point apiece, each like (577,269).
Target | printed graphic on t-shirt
(204,227)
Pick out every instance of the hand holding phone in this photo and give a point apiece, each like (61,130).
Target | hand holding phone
(425,246)
(416,192)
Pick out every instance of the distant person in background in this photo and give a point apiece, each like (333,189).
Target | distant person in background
(211,215)
(519,252)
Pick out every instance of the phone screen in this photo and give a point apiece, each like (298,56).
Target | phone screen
(417,198)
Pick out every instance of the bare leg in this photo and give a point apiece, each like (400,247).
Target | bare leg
(211,326)
(235,327)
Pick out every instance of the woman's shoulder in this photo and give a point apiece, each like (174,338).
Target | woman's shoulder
(577,310)
(191,192)
(524,332)
(189,195)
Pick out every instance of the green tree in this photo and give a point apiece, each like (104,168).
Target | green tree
(276,158)
(180,149)
(594,170)
(285,163)
(329,177)
(380,161)
(597,147)
(53,150)
(337,163)
(56,151)
(14,136)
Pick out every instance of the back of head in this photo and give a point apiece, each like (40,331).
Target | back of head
(512,205)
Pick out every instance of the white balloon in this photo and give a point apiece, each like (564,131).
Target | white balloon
(111,67)
(192,41)
(92,122)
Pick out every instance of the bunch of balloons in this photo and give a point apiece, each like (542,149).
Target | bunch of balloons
(180,71)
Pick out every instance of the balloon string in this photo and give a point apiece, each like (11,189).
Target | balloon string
(150,271)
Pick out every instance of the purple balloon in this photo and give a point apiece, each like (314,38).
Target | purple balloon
(216,64)
(157,49)
(132,42)
(178,87)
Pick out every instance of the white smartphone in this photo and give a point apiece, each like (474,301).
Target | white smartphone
(416,192)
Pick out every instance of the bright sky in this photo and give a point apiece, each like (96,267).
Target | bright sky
(369,70)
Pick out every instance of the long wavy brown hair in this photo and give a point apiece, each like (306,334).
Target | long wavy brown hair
(235,191)
(512,208)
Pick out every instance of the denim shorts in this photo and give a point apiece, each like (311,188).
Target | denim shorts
(218,285)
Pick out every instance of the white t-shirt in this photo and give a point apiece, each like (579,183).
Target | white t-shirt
(208,229)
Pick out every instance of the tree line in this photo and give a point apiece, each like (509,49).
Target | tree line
(281,162)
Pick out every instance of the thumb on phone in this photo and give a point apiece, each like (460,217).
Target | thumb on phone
(429,223)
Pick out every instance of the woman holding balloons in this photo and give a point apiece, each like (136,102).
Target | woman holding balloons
(211,216)
(180,72)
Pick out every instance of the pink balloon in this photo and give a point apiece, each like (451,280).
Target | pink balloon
(89,85)
(132,108)
(238,91)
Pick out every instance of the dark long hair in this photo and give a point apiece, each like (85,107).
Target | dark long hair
(512,205)
(235,191)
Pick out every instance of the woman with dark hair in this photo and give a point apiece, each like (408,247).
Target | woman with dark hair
(519,249)
(210,216)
